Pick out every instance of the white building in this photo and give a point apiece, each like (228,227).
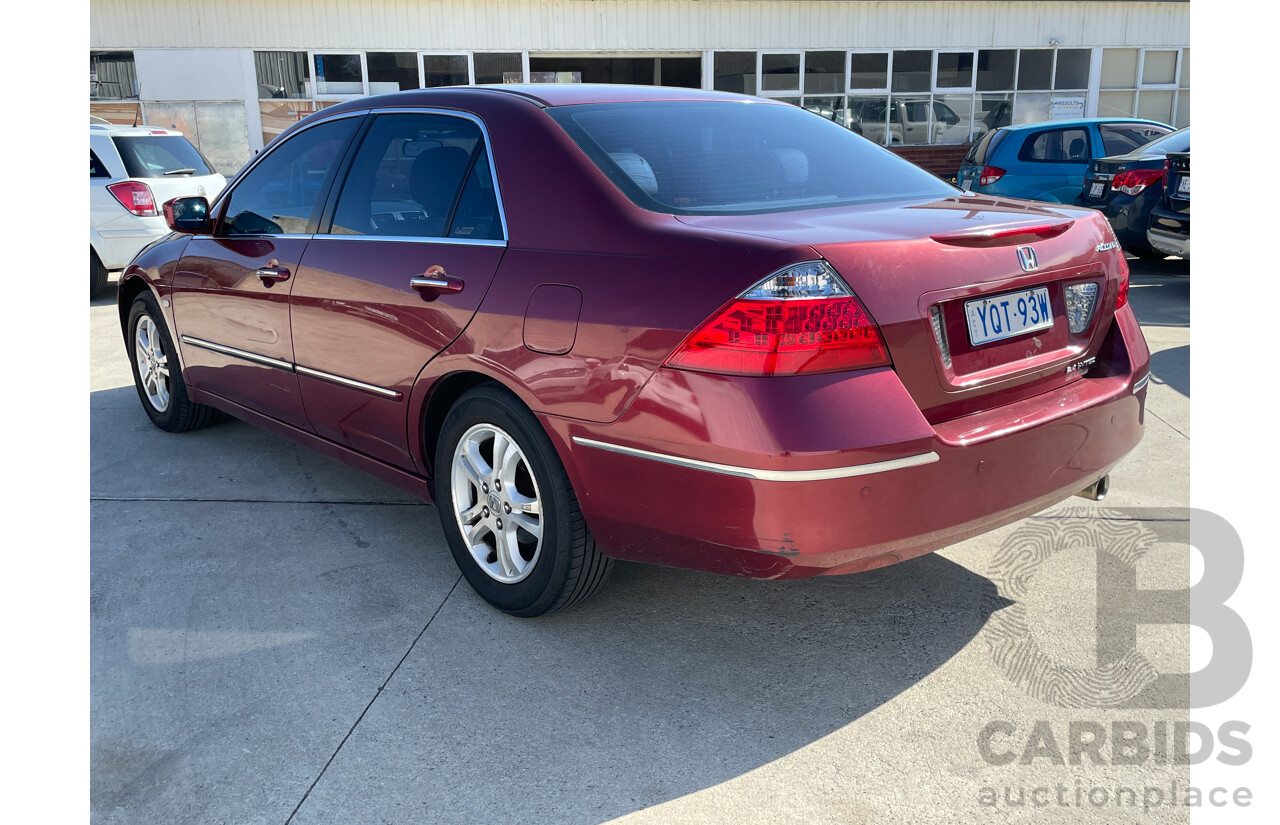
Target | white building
(925,77)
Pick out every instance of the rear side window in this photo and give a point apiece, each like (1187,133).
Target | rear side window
(1123,138)
(729,157)
(407,180)
(97,169)
(281,195)
(1057,146)
(978,153)
(155,156)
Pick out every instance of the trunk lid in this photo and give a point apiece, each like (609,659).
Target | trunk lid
(1177,195)
(910,262)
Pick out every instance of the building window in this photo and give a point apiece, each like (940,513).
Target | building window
(499,67)
(912,71)
(338,74)
(392,72)
(1146,83)
(780,72)
(445,70)
(824,72)
(869,70)
(734,72)
(112,76)
(282,75)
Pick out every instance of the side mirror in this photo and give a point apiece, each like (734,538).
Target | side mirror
(189,215)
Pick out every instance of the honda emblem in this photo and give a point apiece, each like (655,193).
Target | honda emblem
(1027,257)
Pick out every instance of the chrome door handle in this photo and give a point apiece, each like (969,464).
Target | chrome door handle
(271,273)
(436,282)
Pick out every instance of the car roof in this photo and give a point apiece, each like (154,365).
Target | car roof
(1081,121)
(127,130)
(542,94)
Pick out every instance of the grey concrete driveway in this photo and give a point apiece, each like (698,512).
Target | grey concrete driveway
(276,638)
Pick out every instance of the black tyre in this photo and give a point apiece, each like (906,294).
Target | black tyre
(156,373)
(97,274)
(508,510)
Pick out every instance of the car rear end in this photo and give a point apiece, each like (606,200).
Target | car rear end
(1125,189)
(146,167)
(1170,227)
(978,171)
(927,369)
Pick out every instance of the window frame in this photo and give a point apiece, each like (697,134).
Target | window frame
(471,66)
(860,91)
(956,90)
(1024,150)
(218,210)
(324,226)
(798,91)
(364,74)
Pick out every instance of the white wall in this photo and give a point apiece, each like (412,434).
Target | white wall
(632,25)
(190,74)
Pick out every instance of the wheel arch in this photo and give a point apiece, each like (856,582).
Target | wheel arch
(440,395)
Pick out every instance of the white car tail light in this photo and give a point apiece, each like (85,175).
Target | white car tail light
(802,319)
(134,196)
(1081,301)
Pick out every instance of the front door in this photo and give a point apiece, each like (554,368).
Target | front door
(231,289)
(414,238)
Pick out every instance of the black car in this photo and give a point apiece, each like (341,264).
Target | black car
(1170,229)
(1127,187)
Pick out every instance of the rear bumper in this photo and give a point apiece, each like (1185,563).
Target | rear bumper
(1170,232)
(116,248)
(836,474)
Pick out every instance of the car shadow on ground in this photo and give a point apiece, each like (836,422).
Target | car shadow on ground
(665,683)
(1160,291)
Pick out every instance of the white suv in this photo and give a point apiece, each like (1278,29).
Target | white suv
(133,172)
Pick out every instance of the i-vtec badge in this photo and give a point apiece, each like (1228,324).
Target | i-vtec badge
(1080,365)
(1104,247)
(1027,257)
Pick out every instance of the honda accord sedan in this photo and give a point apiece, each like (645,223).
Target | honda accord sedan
(681,327)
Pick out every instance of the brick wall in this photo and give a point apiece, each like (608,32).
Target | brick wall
(940,160)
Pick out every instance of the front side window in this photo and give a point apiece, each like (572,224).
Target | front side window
(1057,146)
(406,179)
(282,193)
(714,157)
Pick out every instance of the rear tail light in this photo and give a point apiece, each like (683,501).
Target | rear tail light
(1135,180)
(990,174)
(802,319)
(1082,299)
(134,196)
(940,334)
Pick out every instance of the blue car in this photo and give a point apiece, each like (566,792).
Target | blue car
(1047,161)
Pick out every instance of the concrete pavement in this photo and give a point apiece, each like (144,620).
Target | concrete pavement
(276,637)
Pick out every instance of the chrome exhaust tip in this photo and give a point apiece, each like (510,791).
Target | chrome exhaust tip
(1096,491)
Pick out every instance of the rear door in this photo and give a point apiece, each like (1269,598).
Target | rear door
(410,242)
(231,288)
(1053,162)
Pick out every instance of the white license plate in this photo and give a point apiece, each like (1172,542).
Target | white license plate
(1184,186)
(1095,191)
(1004,316)
(966,184)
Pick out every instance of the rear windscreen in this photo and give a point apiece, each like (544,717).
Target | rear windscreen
(155,156)
(731,157)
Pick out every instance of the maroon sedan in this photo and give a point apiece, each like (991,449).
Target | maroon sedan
(670,326)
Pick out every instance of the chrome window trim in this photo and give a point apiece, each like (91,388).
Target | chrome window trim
(765,475)
(493,174)
(348,382)
(400,239)
(238,353)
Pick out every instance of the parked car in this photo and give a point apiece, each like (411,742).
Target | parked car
(594,322)
(1047,161)
(1169,231)
(133,170)
(908,121)
(1126,188)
